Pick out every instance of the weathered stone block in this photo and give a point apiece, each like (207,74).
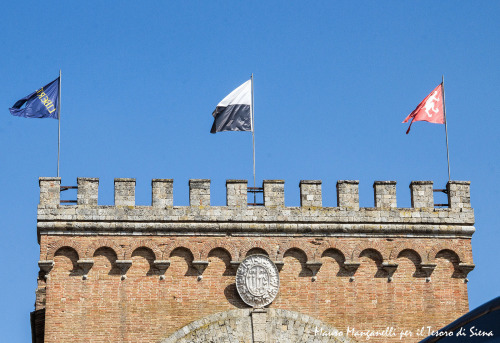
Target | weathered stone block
(422,195)
(87,191)
(50,191)
(458,194)
(199,192)
(162,192)
(124,192)
(274,193)
(385,194)
(236,193)
(348,194)
(310,193)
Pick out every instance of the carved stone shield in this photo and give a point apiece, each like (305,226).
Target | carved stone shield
(257,280)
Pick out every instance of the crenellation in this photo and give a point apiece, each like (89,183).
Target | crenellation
(199,192)
(173,267)
(50,191)
(124,192)
(310,193)
(162,192)
(236,193)
(385,194)
(348,194)
(385,200)
(274,193)
(87,194)
(422,194)
(458,194)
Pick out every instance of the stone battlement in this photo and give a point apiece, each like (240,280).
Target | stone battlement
(174,268)
(274,193)
(456,219)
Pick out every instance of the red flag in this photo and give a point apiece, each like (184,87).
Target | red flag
(430,109)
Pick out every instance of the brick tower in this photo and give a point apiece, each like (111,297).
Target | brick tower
(165,273)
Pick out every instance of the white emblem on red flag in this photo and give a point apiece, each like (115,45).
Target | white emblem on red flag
(429,110)
(430,104)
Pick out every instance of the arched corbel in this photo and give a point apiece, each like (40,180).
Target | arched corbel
(46,266)
(85,265)
(314,267)
(351,267)
(465,269)
(162,266)
(390,268)
(124,266)
(200,266)
(427,268)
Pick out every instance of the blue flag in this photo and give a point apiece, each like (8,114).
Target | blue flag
(42,103)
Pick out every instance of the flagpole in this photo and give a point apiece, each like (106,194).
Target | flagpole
(446,131)
(253,142)
(59,124)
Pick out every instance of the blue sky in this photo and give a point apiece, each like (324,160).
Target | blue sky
(333,81)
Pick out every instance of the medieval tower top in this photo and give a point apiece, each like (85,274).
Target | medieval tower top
(167,273)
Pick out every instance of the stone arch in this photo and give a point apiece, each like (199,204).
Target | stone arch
(104,243)
(53,248)
(223,244)
(300,328)
(376,246)
(144,243)
(283,248)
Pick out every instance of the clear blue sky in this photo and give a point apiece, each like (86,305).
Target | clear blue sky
(333,81)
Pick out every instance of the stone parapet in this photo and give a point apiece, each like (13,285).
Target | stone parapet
(124,192)
(310,193)
(348,194)
(236,193)
(422,195)
(50,191)
(311,218)
(274,193)
(163,192)
(199,192)
(458,194)
(87,191)
(385,194)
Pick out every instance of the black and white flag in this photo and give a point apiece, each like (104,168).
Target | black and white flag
(234,112)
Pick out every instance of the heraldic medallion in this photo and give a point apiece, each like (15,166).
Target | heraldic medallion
(257,280)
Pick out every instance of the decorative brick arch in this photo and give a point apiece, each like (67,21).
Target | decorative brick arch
(65,242)
(145,243)
(407,246)
(334,245)
(171,247)
(310,253)
(431,256)
(104,243)
(222,244)
(256,244)
(377,246)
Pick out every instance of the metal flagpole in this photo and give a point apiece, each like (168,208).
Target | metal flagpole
(253,141)
(59,124)
(446,131)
